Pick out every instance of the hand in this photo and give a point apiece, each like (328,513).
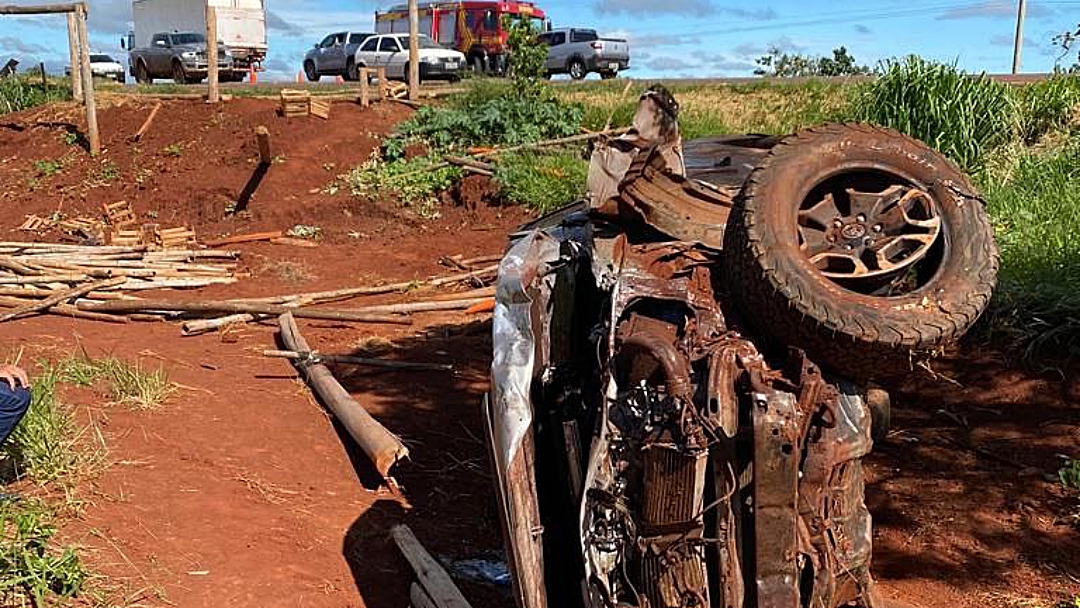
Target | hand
(11,374)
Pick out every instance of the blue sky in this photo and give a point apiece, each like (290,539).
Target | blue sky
(676,38)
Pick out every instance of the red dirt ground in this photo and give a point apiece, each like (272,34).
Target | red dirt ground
(240,491)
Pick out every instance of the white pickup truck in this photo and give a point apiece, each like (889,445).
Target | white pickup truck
(579,51)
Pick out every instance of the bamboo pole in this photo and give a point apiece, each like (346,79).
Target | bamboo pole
(73,52)
(212,79)
(381,446)
(59,298)
(41,9)
(315,357)
(88,81)
(208,306)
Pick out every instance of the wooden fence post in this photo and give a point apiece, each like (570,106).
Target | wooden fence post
(73,51)
(365,86)
(88,81)
(214,94)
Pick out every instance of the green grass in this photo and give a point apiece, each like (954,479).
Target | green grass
(127,383)
(43,445)
(542,182)
(1036,211)
(21,92)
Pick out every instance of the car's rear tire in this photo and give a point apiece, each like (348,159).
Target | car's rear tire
(310,72)
(863,247)
(350,70)
(608,74)
(577,69)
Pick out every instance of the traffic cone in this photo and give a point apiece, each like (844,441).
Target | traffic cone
(300,76)
(254,76)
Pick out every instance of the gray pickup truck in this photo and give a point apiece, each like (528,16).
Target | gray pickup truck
(578,52)
(334,56)
(180,56)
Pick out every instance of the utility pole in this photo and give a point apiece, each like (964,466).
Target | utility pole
(414,50)
(1018,47)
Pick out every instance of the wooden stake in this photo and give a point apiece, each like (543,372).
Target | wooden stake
(214,93)
(87,81)
(435,581)
(73,52)
(262,134)
(365,87)
(414,50)
(146,125)
(206,306)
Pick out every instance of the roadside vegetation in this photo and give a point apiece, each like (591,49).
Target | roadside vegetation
(45,462)
(18,93)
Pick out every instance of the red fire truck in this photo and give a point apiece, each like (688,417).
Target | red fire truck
(474,27)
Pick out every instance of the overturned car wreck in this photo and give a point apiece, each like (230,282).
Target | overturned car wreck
(662,433)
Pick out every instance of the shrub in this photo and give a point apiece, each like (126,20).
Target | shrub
(20,93)
(963,116)
(1046,106)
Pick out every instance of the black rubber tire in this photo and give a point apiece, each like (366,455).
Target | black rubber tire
(350,70)
(577,70)
(178,74)
(310,72)
(790,303)
(142,75)
(608,75)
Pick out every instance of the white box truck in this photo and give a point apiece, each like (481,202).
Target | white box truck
(241,26)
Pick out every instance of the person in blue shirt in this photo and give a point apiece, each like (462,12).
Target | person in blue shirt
(14,399)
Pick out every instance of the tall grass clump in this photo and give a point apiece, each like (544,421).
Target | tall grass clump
(19,93)
(963,116)
(43,444)
(1037,219)
(1047,106)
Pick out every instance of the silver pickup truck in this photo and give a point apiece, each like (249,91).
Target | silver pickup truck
(180,56)
(578,51)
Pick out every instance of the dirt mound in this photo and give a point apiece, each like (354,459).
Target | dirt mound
(194,164)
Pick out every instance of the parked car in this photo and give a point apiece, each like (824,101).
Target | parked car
(391,51)
(579,52)
(177,55)
(104,66)
(334,56)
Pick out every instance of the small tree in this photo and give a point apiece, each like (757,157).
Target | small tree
(527,56)
(784,65)
(1065,42)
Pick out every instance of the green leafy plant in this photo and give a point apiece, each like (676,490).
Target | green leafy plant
(527,57)
(412,181)
(49,167)
(174,150)
(542,182)
(31,566)
(20,92)
(1069,475)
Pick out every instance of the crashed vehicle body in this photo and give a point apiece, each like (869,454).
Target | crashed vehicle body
(662,433)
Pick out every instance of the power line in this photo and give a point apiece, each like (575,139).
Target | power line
(849,17)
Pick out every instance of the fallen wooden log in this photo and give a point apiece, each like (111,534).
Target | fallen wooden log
(205,326)
(246,238)
(229,306)
(411,307)
(316,357)
(381,446)
(66,310)
(60,298)
(483,292)
(434,580)
(418,598)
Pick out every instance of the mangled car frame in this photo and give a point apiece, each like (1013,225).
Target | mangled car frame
(679,406)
